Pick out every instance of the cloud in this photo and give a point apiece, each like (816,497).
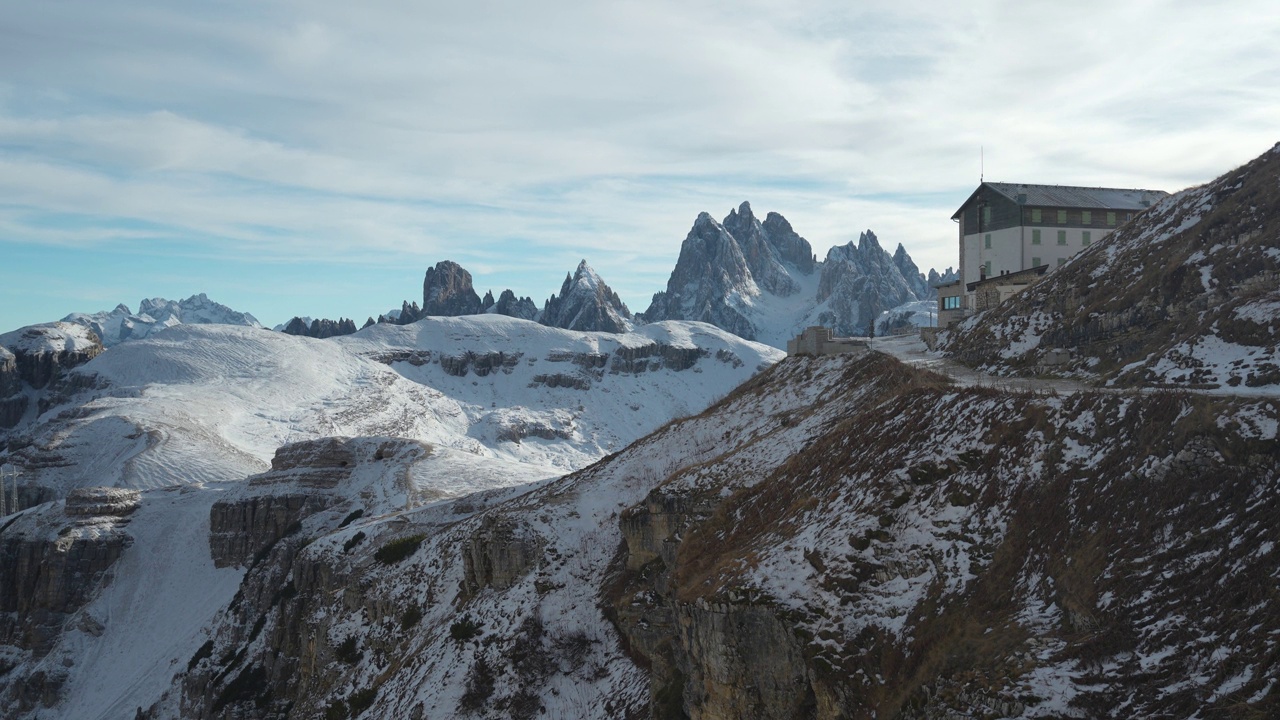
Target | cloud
(520,137)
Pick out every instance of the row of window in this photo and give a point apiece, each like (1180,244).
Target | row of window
(953,302)
(1086,238)
(1086,217)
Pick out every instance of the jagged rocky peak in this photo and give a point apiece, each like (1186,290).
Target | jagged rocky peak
(507,304)
(762,257)
(787,242)
(858,282)
(911,273)
(447,291)
(710,282)
(586,303)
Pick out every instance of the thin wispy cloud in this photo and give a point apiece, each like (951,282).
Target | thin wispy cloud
(341,140)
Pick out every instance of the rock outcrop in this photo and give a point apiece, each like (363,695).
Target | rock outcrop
(586,303)
(44,353)
(13,405)
(859,282)
(447,291)
(511,306)
(320,328)
(302,481)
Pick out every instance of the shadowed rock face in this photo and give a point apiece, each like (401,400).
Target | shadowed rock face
(447,290)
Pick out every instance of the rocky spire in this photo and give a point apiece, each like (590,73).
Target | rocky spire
(586,303)
(447,290)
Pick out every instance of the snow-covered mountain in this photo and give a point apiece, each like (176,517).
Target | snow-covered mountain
(184,418)
(759,280)
(586,303)
(155,314)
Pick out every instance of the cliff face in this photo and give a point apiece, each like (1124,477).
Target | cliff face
(39,358)
(51,563)
(447,290)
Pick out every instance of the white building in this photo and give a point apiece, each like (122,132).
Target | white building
(1008,228)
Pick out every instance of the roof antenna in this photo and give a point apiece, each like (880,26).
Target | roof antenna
(982,162)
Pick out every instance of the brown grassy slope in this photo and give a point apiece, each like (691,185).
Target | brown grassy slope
(1163,514)
(1141,292)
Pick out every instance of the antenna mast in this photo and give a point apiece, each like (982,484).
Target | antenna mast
(982,164)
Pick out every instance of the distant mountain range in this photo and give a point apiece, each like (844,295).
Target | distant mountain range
(758,280)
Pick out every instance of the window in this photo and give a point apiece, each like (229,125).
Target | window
(986,215)
(1086,238)
(1062,217)
(1111,218)
(1035,237)
(1036,215)
(1062,237)
(1035,262)
(986,268)
(951,303)
(1086,217)
(986,241)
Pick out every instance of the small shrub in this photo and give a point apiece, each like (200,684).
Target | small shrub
(353,541)
(347,651)
(412,615)
(206,650)
(398,549)
(354,516)
(479,686)
(337,711)
(465,629)
(362,700)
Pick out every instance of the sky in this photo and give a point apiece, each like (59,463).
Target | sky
(315,158)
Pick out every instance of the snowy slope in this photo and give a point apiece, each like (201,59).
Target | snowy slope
(187,415)
(211,403)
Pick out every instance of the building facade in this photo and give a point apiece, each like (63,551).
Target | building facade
(1007,228)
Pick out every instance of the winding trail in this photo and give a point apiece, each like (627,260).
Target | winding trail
(911,350)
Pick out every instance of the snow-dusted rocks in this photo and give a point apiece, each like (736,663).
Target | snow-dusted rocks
(760,281)
(861,281)
(586,303)
(43,353)
(156,314)
(511,306)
